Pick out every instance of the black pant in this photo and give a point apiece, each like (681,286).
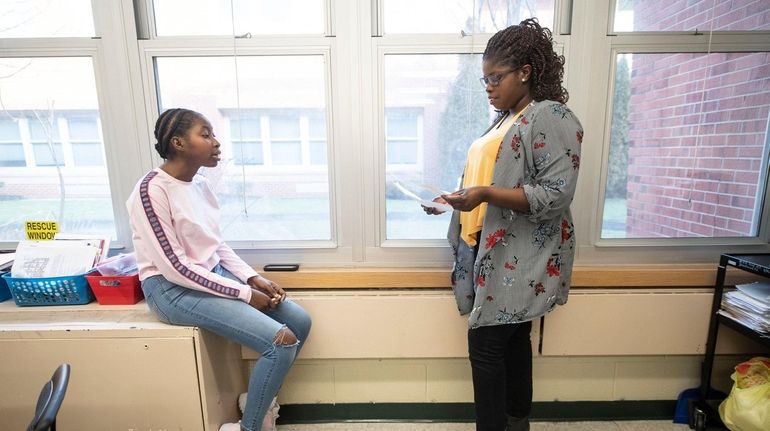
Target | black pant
(501,361)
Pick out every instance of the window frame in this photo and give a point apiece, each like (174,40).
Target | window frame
(338,249)
(111,60)
(592,249)
(354,47)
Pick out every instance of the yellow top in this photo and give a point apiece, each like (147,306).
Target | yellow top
(479,168)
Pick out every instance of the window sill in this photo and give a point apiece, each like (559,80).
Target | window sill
(700,275)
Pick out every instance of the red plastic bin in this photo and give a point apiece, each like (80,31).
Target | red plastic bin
(116,290)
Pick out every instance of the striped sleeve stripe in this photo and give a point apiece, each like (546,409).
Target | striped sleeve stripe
(160,235)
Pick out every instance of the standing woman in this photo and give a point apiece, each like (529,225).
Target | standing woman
(512,231)
(191,277)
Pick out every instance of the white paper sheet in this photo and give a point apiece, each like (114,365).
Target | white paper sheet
(757,290)
(424,202)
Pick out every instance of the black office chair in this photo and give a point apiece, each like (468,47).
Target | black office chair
(50,400)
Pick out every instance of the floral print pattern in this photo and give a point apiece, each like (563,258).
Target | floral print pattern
(522,267)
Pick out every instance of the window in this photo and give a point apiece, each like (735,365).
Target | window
(688,131)
(260,107)
(51,55)
(407,16)
(46,18)
(46,144)
(285,142)
(11,149)
(85,141)
(322,106)
(226,17)
(696,15)
(433,106)
(38,94)
(246,137)
(317,140)
(402,137)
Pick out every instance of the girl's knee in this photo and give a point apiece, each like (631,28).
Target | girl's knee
(285,337)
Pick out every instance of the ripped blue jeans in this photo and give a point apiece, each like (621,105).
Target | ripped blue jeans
(241,323)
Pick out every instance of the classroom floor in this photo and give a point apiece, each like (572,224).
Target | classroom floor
(535,426)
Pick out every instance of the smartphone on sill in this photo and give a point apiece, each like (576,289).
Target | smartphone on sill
(281,267)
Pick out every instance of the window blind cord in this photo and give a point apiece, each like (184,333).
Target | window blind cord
(698,136)
(238,108)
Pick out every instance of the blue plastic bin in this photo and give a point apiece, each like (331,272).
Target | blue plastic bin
(70,290)
(5,292)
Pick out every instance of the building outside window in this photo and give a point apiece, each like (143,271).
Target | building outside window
(689,130)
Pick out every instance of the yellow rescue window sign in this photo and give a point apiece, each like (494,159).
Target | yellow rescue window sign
(41,230)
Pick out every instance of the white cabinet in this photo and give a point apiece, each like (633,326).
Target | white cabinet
(129,372)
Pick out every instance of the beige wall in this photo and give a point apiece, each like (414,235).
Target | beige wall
(410,346)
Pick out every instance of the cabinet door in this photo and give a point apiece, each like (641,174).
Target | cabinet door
(624,323)
(116,383)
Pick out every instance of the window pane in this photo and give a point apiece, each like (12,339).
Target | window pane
(449,109)
(46,155)
(286,152)
(9,130)
(317,134)
(258,203)
(87,154)
(247,153)
(317,152)
(701,15)
(11,155)
(83,129)
(216,17)
(246,128)
(46,18)
(441,16)
(283,127)
(42,127)
(49,88)
(689,144)
(402,125)
(401,152)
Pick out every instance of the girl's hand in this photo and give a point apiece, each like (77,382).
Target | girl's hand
(260,301)
(466,199)
(434,211)
(268,287)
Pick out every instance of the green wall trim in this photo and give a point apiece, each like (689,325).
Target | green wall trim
(463,412)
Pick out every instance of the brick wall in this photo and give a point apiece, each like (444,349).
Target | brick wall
(697,129)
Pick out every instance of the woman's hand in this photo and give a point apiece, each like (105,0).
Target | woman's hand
(466,199)
(268,287)
(434,211)
(262,302)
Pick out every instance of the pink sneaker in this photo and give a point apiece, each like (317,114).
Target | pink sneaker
(268,424)
(230,427)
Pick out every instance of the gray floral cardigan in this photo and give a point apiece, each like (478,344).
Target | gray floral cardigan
(524,262)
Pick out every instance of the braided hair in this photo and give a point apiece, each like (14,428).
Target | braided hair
(528,43)
(173,122)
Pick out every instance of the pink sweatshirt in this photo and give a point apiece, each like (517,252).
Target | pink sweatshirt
(176,234)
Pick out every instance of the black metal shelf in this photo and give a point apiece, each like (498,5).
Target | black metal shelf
(702,412)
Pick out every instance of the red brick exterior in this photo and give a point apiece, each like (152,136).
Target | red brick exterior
(697,129)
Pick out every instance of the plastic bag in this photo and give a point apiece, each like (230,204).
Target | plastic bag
(747,408)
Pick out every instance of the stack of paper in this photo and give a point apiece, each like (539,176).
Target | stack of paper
(749,305)
(42,259)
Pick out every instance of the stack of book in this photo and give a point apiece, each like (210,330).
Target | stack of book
(749,304)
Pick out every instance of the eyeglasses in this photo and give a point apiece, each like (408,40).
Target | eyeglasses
(494,80)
